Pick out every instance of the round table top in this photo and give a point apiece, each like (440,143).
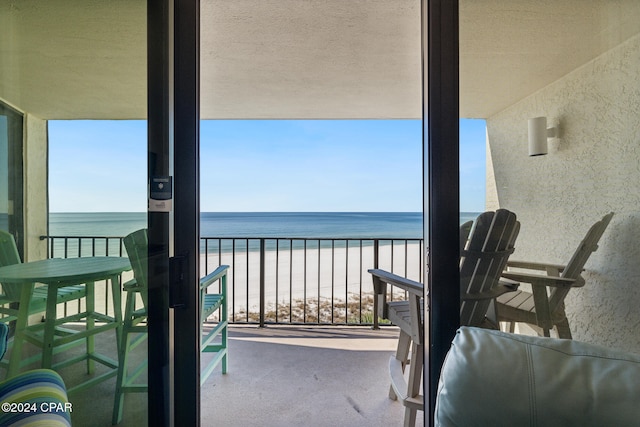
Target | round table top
(63,270)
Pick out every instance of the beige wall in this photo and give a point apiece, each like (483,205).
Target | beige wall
(35,187)
(594,168)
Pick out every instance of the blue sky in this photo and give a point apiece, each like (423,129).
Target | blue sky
(297,165)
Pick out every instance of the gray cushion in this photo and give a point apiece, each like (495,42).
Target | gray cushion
(491,378)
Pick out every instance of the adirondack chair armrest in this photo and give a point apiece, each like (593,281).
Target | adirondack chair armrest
(213,276)
(508,283)
(132,286)
(501,288)
(528,265)
(539,279)
(380,280)
(403,283)
(550,269)
(539,283)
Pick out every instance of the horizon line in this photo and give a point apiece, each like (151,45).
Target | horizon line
(244,212)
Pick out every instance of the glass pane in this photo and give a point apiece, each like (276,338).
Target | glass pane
(472,169)
(558,89)
(72,186)
(311,174)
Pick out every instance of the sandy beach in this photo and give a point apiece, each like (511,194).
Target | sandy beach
(297,275)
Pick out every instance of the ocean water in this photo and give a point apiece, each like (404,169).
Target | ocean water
(402,225)
(103,224)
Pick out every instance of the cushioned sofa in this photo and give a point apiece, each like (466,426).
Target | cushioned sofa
(491,378)
(35,398)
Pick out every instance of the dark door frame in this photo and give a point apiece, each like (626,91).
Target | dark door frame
(441,187)
(160,144)
(187,212)
(173,144)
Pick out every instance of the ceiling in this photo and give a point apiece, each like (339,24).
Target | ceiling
(297,59)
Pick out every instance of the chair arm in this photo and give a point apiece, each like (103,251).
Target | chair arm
(539,279)
(403,283)
(534,265)
(132,286)
(508,283)
(213,276)
(501,288)
(539,283)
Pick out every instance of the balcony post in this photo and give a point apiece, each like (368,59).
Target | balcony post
(262,286)
(376,253)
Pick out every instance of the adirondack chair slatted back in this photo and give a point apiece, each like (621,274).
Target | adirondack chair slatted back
(483,259)
(575,266)
(8,256)
(465,230)
(137,246)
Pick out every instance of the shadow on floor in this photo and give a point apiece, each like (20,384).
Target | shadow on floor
(278,376)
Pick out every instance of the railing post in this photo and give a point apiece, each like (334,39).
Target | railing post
(376,248)
(262,279)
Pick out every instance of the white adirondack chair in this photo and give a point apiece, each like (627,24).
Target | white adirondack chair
(483,258)
(543,308)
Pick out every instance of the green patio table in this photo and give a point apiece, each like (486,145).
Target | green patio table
(58,273)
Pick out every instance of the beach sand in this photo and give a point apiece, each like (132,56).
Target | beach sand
(293,276)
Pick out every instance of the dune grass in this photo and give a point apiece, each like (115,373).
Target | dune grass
(355,310)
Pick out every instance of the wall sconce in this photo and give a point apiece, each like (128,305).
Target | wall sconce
(538,134)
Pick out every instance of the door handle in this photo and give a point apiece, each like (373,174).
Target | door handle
(177,280)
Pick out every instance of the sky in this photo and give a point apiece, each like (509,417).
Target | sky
(262,166)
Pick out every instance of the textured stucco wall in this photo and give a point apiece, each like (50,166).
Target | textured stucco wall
(35,187)
(594,168)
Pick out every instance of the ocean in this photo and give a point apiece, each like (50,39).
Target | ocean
(294,269)
(401,225)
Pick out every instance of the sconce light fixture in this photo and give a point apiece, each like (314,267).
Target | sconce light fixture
(538,134)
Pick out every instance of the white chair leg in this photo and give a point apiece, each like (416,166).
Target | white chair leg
(402,354)
(415,377)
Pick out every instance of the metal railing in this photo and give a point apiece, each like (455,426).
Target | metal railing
(88,246)
(84,246)
(278,280)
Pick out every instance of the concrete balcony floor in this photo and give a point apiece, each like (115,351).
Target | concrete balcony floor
(278,376)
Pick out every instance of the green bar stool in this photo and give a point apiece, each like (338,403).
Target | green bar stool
(135,322)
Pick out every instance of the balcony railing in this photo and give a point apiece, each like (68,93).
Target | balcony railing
(276,280)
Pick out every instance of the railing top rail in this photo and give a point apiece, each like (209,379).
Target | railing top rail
(309,238)
(42,237)
(80,237)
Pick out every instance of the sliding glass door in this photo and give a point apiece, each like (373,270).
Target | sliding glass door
(71,68)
